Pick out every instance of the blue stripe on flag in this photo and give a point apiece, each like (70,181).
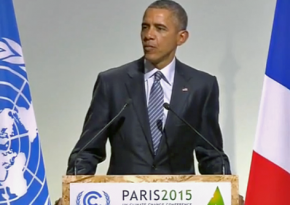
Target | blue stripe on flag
(7,16)
(278,64)
(22,170)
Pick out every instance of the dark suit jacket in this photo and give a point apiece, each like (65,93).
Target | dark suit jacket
(129,135)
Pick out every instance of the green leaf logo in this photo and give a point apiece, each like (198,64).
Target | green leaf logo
(217,198)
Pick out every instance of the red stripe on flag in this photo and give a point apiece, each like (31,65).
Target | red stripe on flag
(268,183)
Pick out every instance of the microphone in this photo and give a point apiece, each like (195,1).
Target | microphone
(167,107)
(128,102)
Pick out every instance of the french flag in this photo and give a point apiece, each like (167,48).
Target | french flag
(269,179)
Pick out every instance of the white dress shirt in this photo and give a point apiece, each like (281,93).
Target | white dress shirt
(166,85)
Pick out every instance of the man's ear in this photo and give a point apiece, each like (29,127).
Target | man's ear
(182,37)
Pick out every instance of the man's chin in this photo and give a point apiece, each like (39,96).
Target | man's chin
(151,58)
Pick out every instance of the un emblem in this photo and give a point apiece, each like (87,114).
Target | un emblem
(93,198)
(22,174)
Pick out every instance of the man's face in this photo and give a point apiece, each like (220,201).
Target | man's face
(160,35)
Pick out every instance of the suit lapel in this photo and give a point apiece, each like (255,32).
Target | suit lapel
(136,89)
(179,96)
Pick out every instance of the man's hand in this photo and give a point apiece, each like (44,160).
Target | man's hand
(241,200)
(58,202)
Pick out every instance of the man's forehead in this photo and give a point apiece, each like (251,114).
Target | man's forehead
(157,14)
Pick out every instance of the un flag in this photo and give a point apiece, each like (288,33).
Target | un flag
(22,172)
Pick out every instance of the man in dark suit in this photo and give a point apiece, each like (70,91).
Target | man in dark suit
(146,138)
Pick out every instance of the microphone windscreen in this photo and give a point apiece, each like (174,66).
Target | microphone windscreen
(166,106)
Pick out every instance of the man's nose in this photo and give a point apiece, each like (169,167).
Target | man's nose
(150,34)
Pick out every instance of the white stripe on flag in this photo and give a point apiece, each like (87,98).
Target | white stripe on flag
(272,140)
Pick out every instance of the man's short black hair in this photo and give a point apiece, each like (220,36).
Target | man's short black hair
(175,8)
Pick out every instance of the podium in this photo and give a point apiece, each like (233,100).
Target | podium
(150,190)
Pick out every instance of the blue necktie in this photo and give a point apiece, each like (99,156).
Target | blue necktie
(155,110)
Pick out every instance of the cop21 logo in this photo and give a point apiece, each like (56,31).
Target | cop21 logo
(93,198)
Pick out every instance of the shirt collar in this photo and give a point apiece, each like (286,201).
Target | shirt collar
(168,71)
